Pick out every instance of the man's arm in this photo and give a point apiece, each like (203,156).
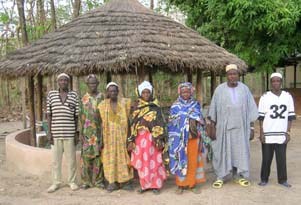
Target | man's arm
(49,135)
(261,135)
(288,131)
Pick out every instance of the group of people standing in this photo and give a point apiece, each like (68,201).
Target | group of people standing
(118,135)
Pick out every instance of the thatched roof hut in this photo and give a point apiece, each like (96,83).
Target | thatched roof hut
(118,37)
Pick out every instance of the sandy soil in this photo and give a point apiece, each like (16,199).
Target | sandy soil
(17,188)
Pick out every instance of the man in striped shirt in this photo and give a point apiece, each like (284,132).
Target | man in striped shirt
(62,115)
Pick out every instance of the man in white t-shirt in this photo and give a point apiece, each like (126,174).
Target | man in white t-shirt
(276,112)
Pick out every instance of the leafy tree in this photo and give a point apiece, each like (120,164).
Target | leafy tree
(259,31)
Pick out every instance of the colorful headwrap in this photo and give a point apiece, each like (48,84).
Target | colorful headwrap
(91,76)
(185,85)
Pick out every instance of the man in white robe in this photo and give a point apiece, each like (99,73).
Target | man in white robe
(232,113)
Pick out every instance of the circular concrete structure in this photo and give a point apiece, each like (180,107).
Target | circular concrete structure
(32,160)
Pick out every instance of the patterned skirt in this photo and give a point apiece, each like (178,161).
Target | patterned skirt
(147,160)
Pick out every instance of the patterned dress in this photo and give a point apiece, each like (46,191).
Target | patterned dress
(91,147)
(185,149)
(148,133)
(115,158)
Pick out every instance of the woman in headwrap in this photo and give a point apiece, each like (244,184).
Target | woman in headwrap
(114,112)
(186,130)
(147,140)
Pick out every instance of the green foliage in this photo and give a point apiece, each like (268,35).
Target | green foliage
(4,18)
(259,31)
(91,4)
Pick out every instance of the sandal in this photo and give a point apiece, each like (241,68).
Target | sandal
(156,191)
(111,187)
(243,182)
(179,190)
(127,187)
(100,186)
(218,184)
(85,186)
(195,190)
(141,191)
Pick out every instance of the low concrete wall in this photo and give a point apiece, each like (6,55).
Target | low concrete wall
(32,160)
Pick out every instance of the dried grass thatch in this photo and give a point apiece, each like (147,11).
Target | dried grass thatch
(118,37)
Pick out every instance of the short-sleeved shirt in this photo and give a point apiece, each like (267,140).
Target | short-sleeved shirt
(275,112)
(63,114)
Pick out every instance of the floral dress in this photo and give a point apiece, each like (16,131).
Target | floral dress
(91,133)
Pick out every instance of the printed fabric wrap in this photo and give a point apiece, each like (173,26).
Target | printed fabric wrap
(148,116)
(181,112)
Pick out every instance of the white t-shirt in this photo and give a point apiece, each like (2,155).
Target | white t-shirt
(276,111)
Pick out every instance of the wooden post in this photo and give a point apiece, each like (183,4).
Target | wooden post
(76,85)
(39,97)
(109,77)
(243,78)
(199,79)
(295,75)
(150,76)
(267,80)
(23,96)
(122,84)
(8,95)
(221,80)
(213,82)
(32,110)
(71,82)
(49,83)
(55,86)
(262,82)
(189,76)
(141,73)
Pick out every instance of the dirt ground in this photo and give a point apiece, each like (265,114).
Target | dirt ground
(17,188)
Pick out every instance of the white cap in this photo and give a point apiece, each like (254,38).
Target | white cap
(62,75)
(112,83)
(231,67)
(276,75)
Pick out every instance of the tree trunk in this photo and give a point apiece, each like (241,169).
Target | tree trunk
(41,16)
(20,5)
(151,3)
(53,16)
(22,23)
(76,8)
(31,18)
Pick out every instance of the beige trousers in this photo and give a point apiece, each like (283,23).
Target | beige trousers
(59,147)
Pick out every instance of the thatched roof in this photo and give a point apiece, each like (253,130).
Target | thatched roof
(118,37)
